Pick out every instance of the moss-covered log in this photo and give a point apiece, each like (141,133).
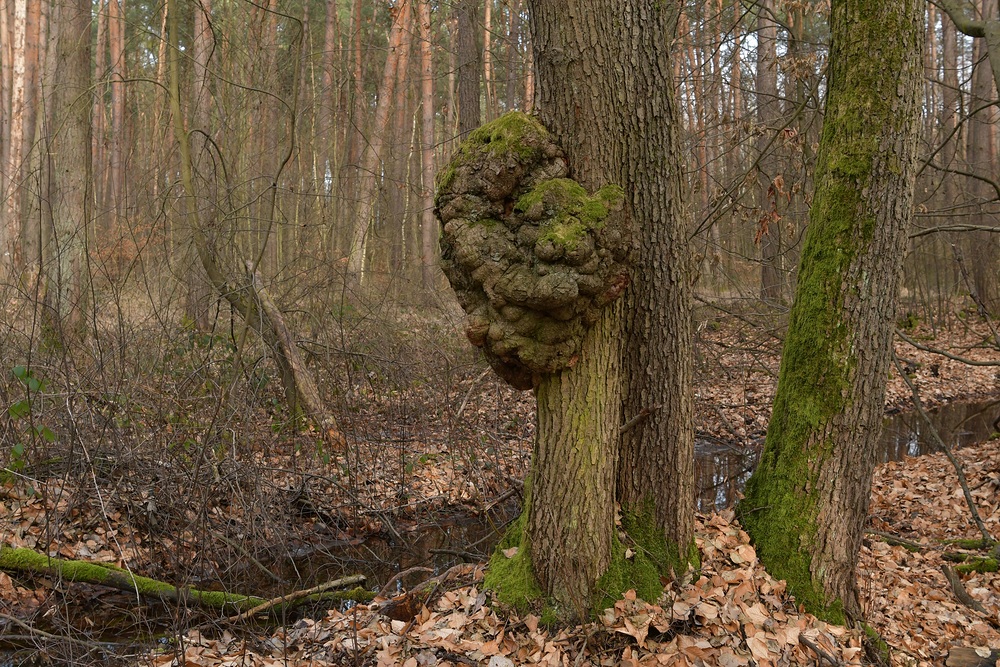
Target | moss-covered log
(806,503)
(104,574)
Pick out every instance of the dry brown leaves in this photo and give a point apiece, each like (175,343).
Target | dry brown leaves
(909,601)
(734,614)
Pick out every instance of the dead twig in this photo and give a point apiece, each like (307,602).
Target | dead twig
(35,632)
(893,539)
(384,591)
(344,582)
(823,655)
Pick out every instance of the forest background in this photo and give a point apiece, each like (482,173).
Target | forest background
(217,241)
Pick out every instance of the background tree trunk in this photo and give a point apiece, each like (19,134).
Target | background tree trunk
(982,161)
(468,66)
(70,174)
(807,502)
(428,224)
(768,117)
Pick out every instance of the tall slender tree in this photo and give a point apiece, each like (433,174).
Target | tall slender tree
(70,186)
(806,503)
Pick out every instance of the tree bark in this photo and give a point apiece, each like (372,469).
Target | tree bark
(617,125)
(656,468)
(468,66)
(70,175)
(807,502)
(428,224)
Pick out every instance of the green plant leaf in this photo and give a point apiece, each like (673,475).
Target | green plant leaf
(20,409)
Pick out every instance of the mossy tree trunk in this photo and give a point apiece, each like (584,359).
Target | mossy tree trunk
(570,516)
(806,503)
(604,90)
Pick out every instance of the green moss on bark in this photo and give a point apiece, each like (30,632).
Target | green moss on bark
(780,508)
(513,580)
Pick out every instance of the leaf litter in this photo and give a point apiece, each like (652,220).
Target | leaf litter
(731,612)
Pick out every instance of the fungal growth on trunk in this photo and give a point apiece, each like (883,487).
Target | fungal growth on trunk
(532,256)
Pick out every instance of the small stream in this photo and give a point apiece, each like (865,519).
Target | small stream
(721,470)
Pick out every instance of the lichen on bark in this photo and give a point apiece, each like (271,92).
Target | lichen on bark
(532,256)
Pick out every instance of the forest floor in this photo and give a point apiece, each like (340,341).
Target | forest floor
(447,451)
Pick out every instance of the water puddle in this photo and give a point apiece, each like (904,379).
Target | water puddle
(722,469)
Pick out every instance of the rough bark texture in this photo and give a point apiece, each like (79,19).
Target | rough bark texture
(468,66)
(604,83)
(70,174)
(571,513)
(806,504)
(656,468)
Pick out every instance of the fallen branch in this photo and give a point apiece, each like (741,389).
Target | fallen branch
(285,600)
(959,589)
(945,353)
(898,541)
(823,655)
(35,632)
(300,378)
(384,591)
(104,574)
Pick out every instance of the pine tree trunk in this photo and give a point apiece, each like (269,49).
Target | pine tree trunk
(468,66)
(768,117)
(428,224)
(807,502)
(70,173)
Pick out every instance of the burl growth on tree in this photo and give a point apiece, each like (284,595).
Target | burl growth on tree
(531,255)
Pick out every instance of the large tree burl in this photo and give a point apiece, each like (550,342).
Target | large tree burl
(531,255)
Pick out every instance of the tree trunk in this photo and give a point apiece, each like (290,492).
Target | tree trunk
(372,157)
(656,468)
(807,502)
(10,212)
(571,510)
(117,74)
(468,67)
(70,175)
(768,117)
(616,125)
(428,225)
(981,157)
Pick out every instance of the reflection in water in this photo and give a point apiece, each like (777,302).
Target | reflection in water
(721,469)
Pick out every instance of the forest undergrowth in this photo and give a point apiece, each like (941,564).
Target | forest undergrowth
(168,452)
